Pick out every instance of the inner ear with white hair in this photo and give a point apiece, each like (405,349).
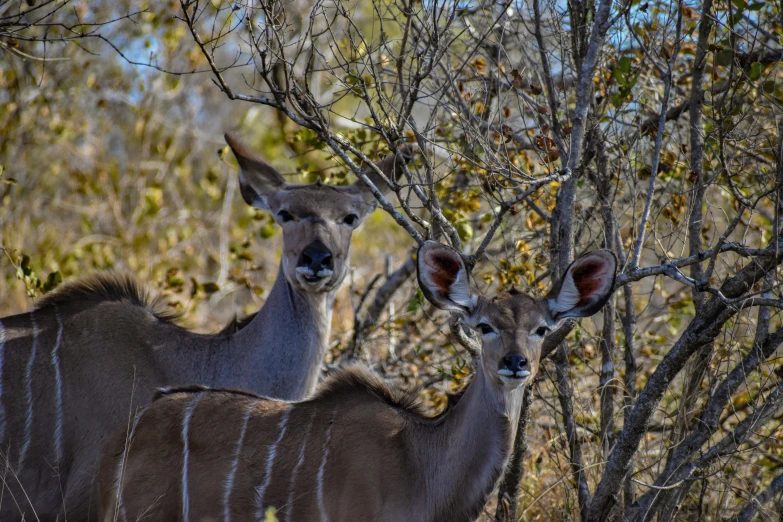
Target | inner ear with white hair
(585,288)
(443,278)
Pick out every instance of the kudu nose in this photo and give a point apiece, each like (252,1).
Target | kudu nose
(515,363)
(316,257)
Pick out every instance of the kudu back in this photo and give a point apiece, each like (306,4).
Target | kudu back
(357,450)
(94,352)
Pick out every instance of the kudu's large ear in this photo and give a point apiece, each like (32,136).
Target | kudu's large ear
(443,278)
(392,166)
(585,288)
(257,178)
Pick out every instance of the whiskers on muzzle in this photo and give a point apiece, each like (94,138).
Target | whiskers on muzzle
(312,280)
(519,374)
(309,273)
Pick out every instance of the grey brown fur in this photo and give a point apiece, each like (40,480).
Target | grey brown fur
(92,354)
(389,483)
(108,287)
(357,450)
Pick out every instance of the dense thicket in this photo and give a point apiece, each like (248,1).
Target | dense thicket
(545,129)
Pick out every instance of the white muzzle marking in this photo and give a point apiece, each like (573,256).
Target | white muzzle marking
(305,271)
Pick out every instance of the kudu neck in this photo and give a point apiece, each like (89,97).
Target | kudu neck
(467,452)
(286,341)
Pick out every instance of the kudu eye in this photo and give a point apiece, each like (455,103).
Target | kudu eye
(285,216)
(350,219)
(484,328)
(541,331)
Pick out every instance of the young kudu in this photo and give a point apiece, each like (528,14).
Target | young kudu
(357,450)
(90,355)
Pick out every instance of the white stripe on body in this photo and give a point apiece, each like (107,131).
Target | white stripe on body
(58,427)
(295,472)
(185,454)
(28,424)
(270,460)
(321,470)
(2,406)
(233,471)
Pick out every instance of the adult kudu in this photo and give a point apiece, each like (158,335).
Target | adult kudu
(90,355)
(357,450)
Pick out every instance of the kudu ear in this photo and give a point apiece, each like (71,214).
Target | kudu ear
(443,278)
(392,167)
(257,178)
(585,288)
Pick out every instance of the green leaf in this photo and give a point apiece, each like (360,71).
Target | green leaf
(755,71)
(724,57)
(739,3)
(625,64)
(622,70)
(464,230)
(769,86)
(210,288)
(270,515)
(53,280)
(175,282)
(755,6)
(618,75)
(267,231)
(415,303)
(24,264)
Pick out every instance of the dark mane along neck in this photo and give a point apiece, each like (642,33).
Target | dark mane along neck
(197,388)
(112,287)
(353,381)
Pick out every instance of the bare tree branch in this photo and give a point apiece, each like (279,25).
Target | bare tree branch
(704,328)
(379,303)
(748,512)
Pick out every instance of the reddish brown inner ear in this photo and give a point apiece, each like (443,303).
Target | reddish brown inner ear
(586,279)
(445,273)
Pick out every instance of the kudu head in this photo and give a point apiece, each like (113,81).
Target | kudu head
(513,325)
(317,220)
